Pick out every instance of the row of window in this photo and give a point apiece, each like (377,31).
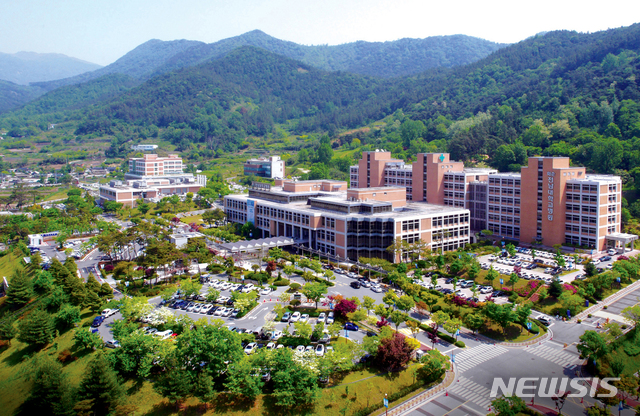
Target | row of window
(585,220)
(580,230)
(327,236)
(580,241)
(504,230)
(449,220)
(504,219)
(504,182)
(282,214)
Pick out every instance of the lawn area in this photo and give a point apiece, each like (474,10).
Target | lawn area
(513,333)
(8,264)
(59,194)
(624,350)
(194,218)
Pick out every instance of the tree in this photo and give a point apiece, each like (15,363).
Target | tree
(212,294)
(294,384)
(592,345)
(555,288)
(106,291)
(368,303)
(134,308)
(590,269)
(50,392)
(314,291)
(67,316)
(92,284)
(393,353)
(474,271)
(43,282)
(345,307)
(503,315)
(175,384)
(245,379)
(19,292)
(390,299)
(508,406)
(405,303)
(85,339)
(559,258)
(37,328)
(100,385)
(570,301)
(513,279)
(474,321)
(413,326)
(492,275)
(303,329)
(429,300)
(398,317)
(381,310)
(452,326)
(439,318)
(334,329)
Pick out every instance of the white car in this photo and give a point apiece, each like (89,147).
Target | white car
(164,334)
(486,290)
(220,311)
(247,288)
(295,317)
(322,317)
(271,346)
(330,318)
(250,348)
(108,312)
(376,289)
(320,350)
(304,317)
(265,291)
(276,335)
(299,349)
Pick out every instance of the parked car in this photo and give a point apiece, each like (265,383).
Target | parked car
(164,334)
(108,312)
(295,317)
(112,343)
(97,321)
(286,317)
(322,317)
(376,289)
(250,348)
(330,318)
(350,326)
(355,285)
(304,317)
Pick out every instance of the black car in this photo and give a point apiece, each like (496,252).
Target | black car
(449,280)
(605,258)
(213,310)
(230,302)
(371,334)
(355,285)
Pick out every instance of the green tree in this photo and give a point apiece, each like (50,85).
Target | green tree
(37,328)
(92,284)
(592,345)
(7,329)
(492,275)
(100,385)
(452,326)
(570,301)
(67,316)
(439,318)
(20,290)
(398,317)
(368,303)
(294,384)
(85,339)
(405,303)
(50,391)
(212,294)
(474,321)
(314,291)
(508,406)
(245,379)
(555,288)
(513,279)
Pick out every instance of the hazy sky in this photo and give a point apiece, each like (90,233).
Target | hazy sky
(101,31)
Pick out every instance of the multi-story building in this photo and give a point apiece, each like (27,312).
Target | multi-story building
(151,166)
(153,178)
(271,167)
(144,147)
(570,206)
(348,223)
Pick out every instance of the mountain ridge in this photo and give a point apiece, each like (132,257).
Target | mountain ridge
(23,68)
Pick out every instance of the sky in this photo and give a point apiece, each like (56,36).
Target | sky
(101,31)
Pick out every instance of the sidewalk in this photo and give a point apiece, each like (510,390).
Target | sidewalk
(608,301)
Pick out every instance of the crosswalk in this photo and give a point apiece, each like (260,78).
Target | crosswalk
(471,391)
(555,354)
(476,355)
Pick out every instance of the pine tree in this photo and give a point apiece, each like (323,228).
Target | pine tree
(106,291)
(59,273)
(71,265)
(37,328)
(19,292)
(93,301)
(43,282)
(100,385)
(7,330)
(50,392)
(92,284)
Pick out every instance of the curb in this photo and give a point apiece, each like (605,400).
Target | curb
(423,397)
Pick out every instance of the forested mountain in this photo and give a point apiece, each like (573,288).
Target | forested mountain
(382,59)
(379,59)
(560,93)
(141,62)
(13,95)
(25,67)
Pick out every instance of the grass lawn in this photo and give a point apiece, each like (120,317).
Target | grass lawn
(632,362)
(194,218)
(8,264)
(59,194)
(513,333)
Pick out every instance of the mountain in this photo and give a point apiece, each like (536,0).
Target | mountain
(138,63)
(25,67)
(380,59)
(14,95)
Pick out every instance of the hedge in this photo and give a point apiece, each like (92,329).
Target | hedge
(281,282)
(442,335)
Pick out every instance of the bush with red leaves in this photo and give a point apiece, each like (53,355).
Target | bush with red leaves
(382,322)
(345,307)
(393,353)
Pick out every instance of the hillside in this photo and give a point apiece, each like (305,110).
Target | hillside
(26,67)
(14,95)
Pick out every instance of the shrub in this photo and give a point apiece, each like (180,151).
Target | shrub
(589,316)
(66,357)
(459,344)
(605,307)
(534,328)
(631,349)
(281,282)
(436,308)
(294,287)
(295,302)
